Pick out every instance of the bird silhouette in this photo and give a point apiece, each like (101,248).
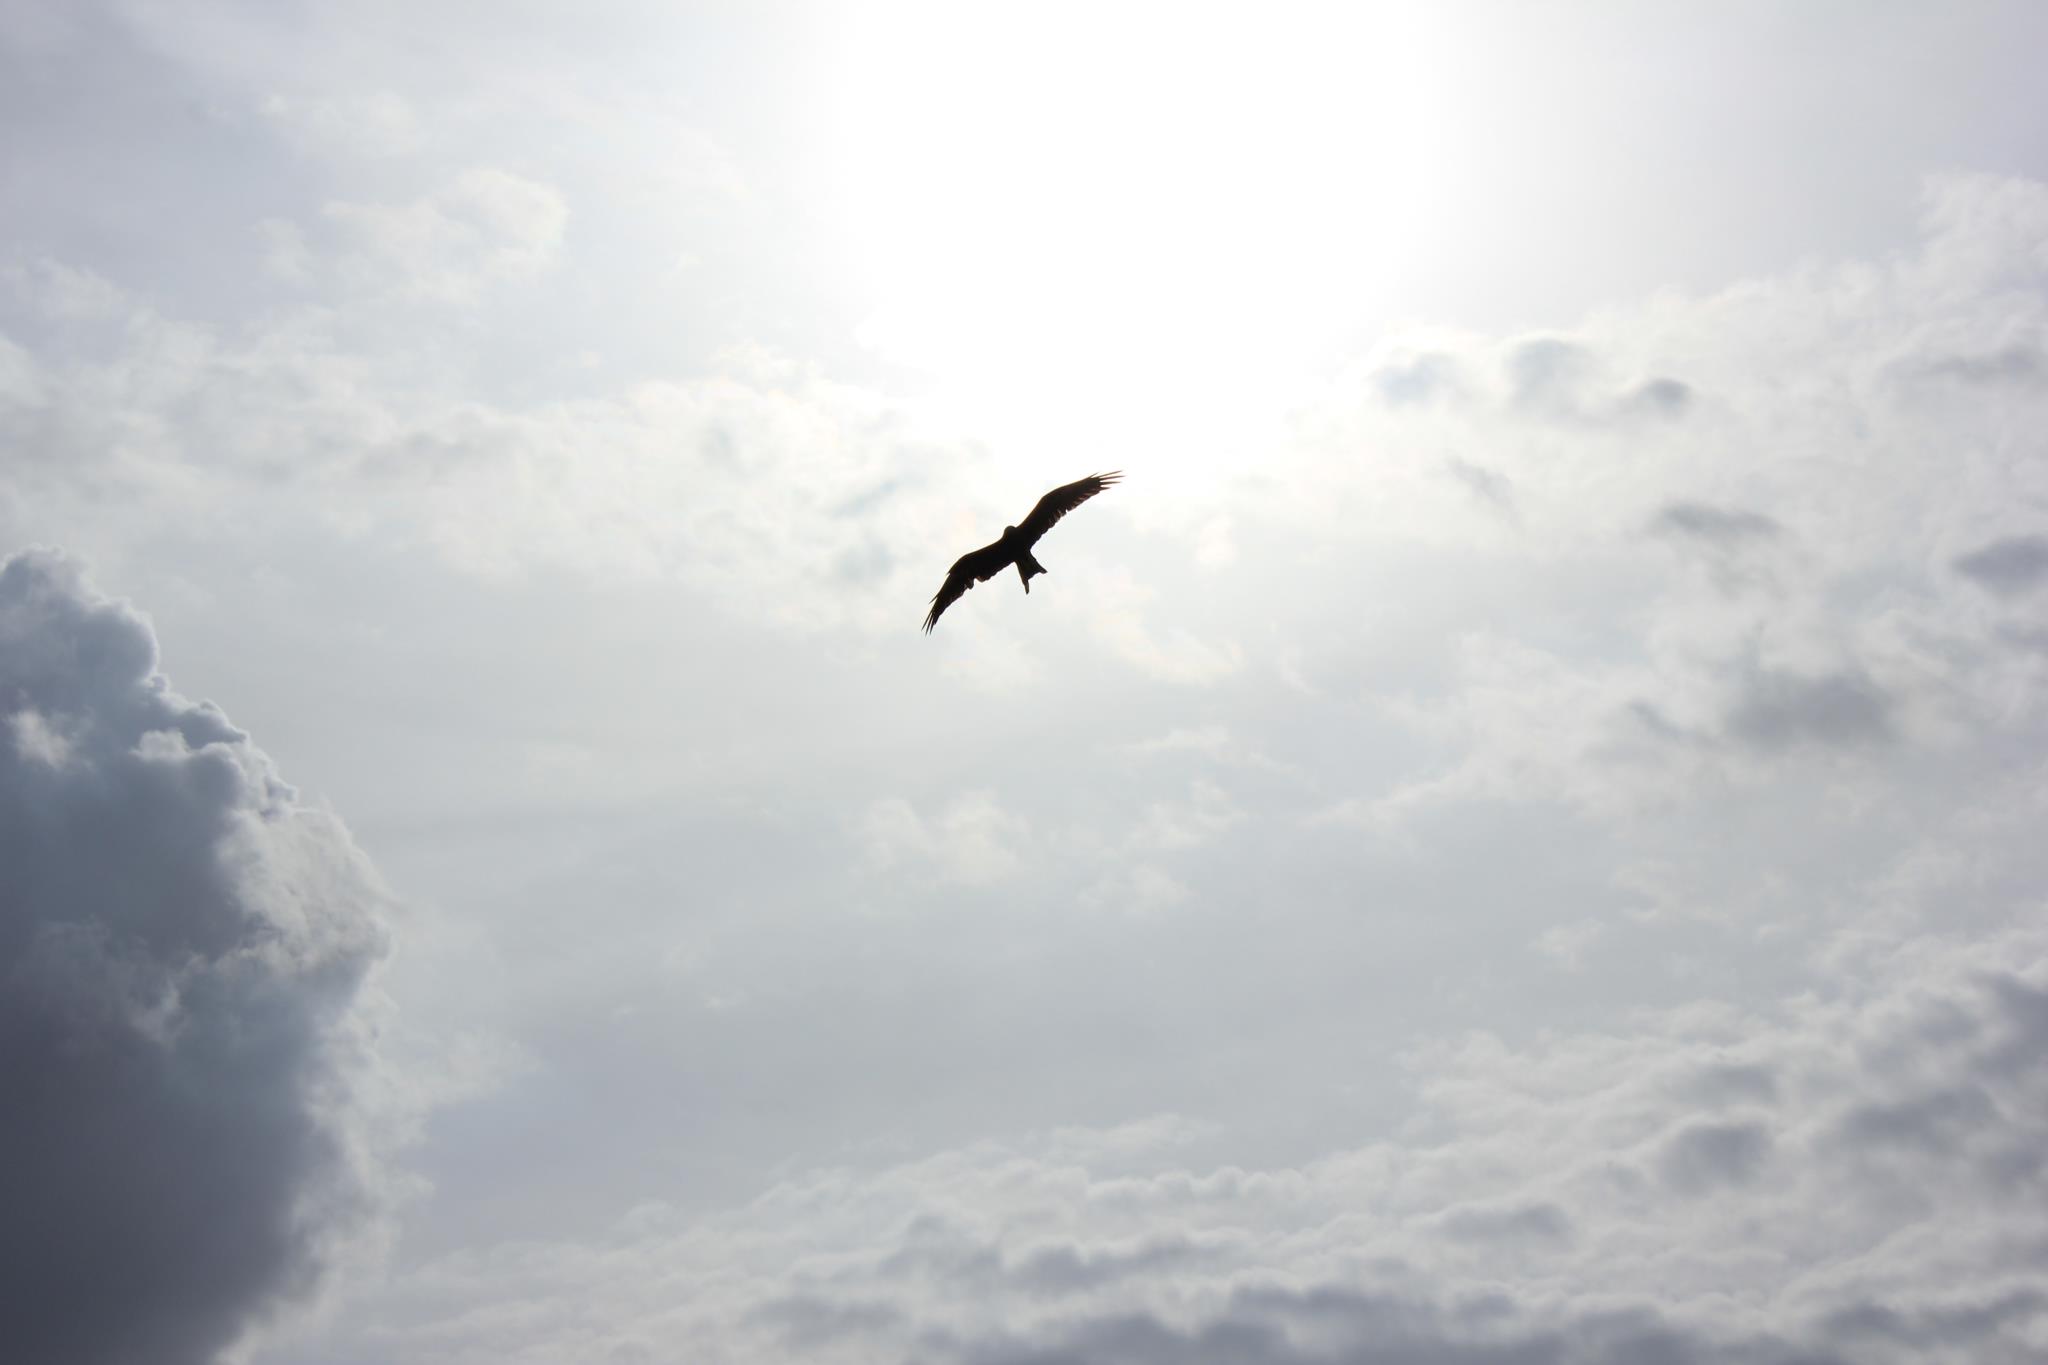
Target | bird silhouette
(978,566)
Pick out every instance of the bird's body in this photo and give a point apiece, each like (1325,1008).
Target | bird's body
(978,566)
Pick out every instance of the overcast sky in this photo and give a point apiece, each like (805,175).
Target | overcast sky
(1513,835)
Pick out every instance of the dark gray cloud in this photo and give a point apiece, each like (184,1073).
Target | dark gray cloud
(1074,1269)
(1720,527)
(1734,1083)
(1932,1123)
(1659,397)
(1966,1322)
(2009,566)
(2022,1033)
(2016,364)
(807,1321)
(1841,710)
(1343,1327)
(1706,1156)
(936,1252)
(181,945)
(1541,1222)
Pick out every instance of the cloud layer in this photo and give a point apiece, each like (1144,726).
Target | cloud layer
(1856,1176)
(1725,711)
(1529,853)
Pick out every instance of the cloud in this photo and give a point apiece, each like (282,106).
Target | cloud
(1725,1083)
(1567,944)
(1704,1156)
(1966,1320)
(1731,544)
(1569,380)
(1169,825)
(1174,655)
(1204,746)
(375,123)
(20,387)
(1716,526)
(1536,651)
(1515,1222)
(485,226)
(1419,378)
(1777,710)
(1933,1122)
(1583,1197)
(1660,397)
(2014,364)
(973,842)
(783,497)
(1547,373)
(1141,889)
(2008,567)
(182,949)
(1486,484)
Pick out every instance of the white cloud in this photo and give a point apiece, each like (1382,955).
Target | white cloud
(1175,655)
(972,841)
(1139,889)
(485,227)
(374,123)
(1567,944)
(20,386)
(1169,825)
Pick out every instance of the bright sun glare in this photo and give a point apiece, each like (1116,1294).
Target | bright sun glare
(1091,225)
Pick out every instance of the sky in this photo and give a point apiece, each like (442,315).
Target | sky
(1510,838)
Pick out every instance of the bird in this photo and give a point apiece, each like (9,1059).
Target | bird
(978,566)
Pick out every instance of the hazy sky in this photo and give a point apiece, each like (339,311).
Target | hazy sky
(1512,836)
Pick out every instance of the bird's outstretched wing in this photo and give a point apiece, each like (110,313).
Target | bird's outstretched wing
(1061,501)
(976,566)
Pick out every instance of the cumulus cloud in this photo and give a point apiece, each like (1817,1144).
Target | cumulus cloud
(182,949)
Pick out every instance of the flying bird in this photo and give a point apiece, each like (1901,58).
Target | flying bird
(979,566)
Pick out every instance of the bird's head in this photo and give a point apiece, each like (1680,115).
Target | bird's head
(1009,530)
